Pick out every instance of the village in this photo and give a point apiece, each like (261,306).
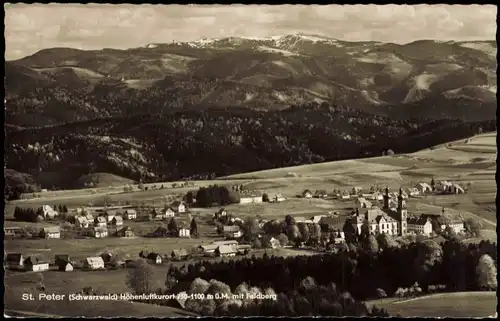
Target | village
(375,211)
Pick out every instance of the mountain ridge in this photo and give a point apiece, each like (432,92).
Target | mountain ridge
(271,73)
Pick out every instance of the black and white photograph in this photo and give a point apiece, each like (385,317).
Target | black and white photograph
(250,160)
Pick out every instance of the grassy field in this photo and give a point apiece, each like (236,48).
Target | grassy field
(453,305)
(79,249)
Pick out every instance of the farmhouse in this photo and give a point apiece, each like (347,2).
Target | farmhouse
(109,215)
(179,206)
(12,231)
(345,195)
(413,191)
(278,198)
(179,254)
(307,194)
(356,190)
(235,220)
(155,258)
(100,221)
(117,221)
(63,263)
(423,188)
(457,225)
(48,212)
(250,199)
(320,194)
(209,248)
(361,202)
(377,196)
(99,232)
(130,214)
(184,232)
(89,218)
(14,260)
(125,231)
(93,263)
(35,264)
(226,251)
(274,243)
(81,222)
(420,225)
(220,213)
(51,232)
(169,212)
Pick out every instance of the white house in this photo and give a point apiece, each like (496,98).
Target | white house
(307,194)
(457,226)
(180,207)
(155,258)
(169,212)
(99,232)
(36,265)
(184,232)
(444,186)
(420,225)
(278,198)
(117,221)
(356,190)
(226,251)
(100,221)
(413,191)
(130,214)
(345,196)
(53,232)
(209,248)
(81,221)
(274,243)
(94,263)
(423,188)
(49,212)
(250,199)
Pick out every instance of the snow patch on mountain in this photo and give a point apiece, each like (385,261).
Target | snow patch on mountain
(276,50)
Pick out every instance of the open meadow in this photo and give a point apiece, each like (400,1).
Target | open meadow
(451,305)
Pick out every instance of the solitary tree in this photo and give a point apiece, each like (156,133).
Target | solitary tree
(140,279)
(172,226)
(283,239)
(194,227)
(486,272)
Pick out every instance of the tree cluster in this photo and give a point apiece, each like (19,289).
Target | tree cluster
(215,195)
(363,272)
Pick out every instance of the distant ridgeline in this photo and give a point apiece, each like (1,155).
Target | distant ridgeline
(170,146)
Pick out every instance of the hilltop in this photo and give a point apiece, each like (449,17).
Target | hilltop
(422,79)
(207,144)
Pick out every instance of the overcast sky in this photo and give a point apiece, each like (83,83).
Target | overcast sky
(32,27)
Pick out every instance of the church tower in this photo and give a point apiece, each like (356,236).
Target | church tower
(402,213)
(386,199)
